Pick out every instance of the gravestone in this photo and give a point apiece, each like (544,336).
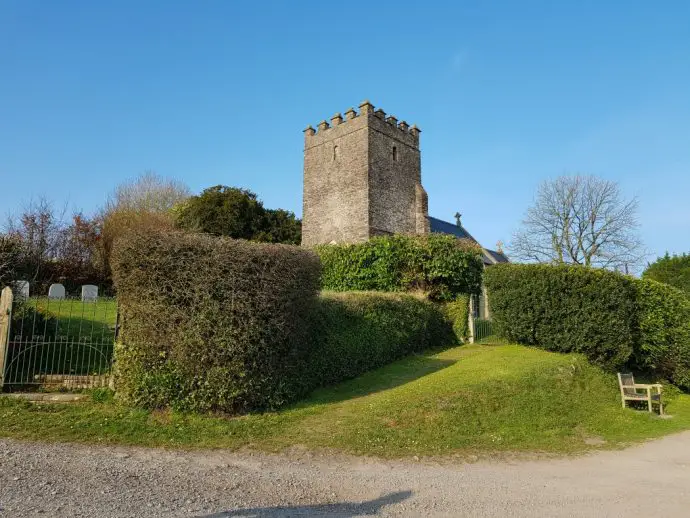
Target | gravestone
(89,293)
(22,289)
(56,291)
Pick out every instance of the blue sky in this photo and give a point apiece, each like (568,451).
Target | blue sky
(507,94)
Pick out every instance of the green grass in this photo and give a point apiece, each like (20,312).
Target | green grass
(466,400)
(77,319)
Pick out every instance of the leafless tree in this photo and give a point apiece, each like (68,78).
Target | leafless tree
(146,202)
(580,220)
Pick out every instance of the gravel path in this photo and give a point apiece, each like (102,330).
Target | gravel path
(73,480)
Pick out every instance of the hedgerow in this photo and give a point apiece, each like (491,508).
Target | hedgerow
(664,340)
(438,264)
(359,331)
(565,308)
(212,323)
(457,312)
(218,324)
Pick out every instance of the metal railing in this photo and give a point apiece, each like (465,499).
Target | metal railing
(65,343)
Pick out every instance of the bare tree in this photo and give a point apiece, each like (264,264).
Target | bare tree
(146,202)
(580,220)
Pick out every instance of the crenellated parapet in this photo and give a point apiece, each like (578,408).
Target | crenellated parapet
(367,115)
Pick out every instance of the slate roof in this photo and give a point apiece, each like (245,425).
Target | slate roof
(445,227)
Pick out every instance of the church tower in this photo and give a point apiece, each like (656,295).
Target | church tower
(362,178)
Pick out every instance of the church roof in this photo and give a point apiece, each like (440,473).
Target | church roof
(445,227)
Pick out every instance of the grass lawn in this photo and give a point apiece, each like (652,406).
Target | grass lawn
(77,319)
(473,399)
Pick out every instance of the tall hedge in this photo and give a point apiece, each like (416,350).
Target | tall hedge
(359,331)
(217,324)
(664,341)
(439,264)
(212,323)
(565,308)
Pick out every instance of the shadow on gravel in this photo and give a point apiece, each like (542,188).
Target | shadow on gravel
(341,510)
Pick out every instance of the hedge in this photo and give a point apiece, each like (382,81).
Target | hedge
(664,320)
(359,331)
(438,264)
(457,311)
(220,324)
(212,323)
(565,308)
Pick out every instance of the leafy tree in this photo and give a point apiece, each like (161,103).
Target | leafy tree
(580,220)
(237,213)
(673,270)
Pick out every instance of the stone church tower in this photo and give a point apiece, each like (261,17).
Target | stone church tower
(362,178)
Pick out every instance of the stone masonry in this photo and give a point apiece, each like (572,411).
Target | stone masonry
(362,178)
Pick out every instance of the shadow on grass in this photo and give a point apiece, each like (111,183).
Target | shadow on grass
(342,510)
(384,378)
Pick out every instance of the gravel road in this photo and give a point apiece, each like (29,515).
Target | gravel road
(74,480)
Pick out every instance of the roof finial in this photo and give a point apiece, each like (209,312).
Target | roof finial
(457,219)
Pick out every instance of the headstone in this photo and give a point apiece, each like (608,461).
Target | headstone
(89,293)
(56,291)
(22,289)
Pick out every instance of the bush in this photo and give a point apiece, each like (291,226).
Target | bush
(565,308)
(356,332)
(457,312)
(439,264)
(211,323)
(664,344)
(673,270)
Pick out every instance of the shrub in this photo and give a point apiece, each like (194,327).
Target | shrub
(565,308)
(664,342)
(458,313)
(439,264)
(673,270)
(359,331)
(211,323)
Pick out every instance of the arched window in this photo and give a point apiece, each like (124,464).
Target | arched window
(336,153)
(395,154)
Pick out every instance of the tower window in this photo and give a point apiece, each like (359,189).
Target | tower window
(336,153)
(395,154)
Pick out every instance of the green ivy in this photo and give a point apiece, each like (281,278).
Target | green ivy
(440,265)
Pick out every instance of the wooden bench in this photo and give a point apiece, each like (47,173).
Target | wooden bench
(631,391)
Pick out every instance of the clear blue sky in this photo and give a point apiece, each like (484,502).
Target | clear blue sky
(217,92)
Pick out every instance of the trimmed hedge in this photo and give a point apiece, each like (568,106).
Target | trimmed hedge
(564,309)
(212,323)
(438,264)
(218,324)
(359,331)
(458,312)
(664,345)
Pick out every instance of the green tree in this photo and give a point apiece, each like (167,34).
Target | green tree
(673,270)
(237,213)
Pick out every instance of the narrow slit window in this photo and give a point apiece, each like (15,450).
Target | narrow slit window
(335,153)
(395,154)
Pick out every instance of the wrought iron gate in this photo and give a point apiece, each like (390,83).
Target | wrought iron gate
(59,343)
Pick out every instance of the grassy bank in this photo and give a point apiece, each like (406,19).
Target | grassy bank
(465,400)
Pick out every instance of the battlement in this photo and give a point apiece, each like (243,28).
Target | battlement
(372,115)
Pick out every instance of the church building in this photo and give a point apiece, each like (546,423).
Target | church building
(363,178)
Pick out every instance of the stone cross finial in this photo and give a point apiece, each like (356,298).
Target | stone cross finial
(458,216)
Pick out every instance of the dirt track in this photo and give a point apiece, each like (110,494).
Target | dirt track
(71,480)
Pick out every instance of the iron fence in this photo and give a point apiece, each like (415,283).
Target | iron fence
(65,343)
